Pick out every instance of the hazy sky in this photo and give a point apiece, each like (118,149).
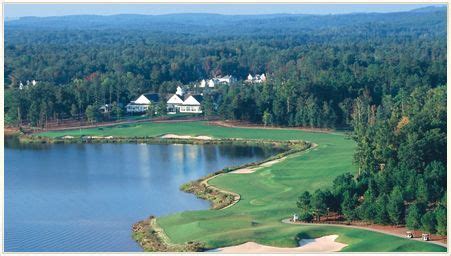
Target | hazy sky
(20,10)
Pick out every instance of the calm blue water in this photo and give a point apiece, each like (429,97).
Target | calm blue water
(83,198)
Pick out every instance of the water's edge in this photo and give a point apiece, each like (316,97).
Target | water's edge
(152,238)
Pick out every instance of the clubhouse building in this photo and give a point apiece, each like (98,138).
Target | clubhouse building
(181,103)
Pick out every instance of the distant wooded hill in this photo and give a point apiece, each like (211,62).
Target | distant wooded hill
(316,64)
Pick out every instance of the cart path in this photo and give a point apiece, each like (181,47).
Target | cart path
(287,221)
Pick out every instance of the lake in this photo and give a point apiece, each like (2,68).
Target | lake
(86,197)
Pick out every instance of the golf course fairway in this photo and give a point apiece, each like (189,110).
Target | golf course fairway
(267,195)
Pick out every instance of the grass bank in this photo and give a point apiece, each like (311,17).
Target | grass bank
(268,195)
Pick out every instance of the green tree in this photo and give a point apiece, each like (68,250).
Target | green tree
(267,118)
(305,216)
(117,111)
(208,108)
(319,203)
(304,201)
(348,206)
(161,108)
(422,193)
(381,216)
(33,114)
(413,218)
(440,216)
(74,110)
(396,207)
(428,222)
(150,112)
(91,114)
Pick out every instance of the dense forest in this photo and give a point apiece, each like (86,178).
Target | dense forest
(401,155)
(383,75)
(317,65)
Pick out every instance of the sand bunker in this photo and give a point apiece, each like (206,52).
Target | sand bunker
(174,136)
(252,169)
(322,244)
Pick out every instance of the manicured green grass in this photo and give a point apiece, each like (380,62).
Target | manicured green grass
(268,195)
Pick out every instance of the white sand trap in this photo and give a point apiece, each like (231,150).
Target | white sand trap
(269,163)
(252,169)
(322,244)
(245,170)
(174,136)
(68,137)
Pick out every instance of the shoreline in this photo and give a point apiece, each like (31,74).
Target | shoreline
(148,231)
(145,231)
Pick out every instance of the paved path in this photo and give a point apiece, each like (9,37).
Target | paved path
(287,221)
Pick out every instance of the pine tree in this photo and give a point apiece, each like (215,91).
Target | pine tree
(440,216)
(396,207)
(381,210)
(349,205)
(428,222)
(413,218)
(304,201)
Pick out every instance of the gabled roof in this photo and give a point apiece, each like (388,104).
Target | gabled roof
(152,96)
(193,100)
(175,99)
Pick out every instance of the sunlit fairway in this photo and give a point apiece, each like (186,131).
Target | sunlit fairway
(268,195)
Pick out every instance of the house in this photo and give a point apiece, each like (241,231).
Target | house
(105,108)
(27,85)
(256,79)
(211,83)
(175,101)
(226,79)
(179,104)
(192,104)
(202,83)
(142,103)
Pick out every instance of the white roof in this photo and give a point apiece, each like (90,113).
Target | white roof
(191,101)
(142,100)
(175,99)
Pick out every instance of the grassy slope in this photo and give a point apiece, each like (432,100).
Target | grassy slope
(268,195)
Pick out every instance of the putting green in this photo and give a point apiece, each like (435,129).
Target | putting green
(267,195)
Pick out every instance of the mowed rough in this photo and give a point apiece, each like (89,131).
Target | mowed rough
(268,195)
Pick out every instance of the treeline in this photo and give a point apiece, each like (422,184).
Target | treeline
(401,156)
(317,65)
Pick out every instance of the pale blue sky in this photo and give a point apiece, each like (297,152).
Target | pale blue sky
(20,10)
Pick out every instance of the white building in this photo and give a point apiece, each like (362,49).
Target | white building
(202,83)
(211,83)
(174,103)
(179,104)
(192,104)
(226,79)
(180,91)
(256,79)
(27,85)
(142,103)
(105,108)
